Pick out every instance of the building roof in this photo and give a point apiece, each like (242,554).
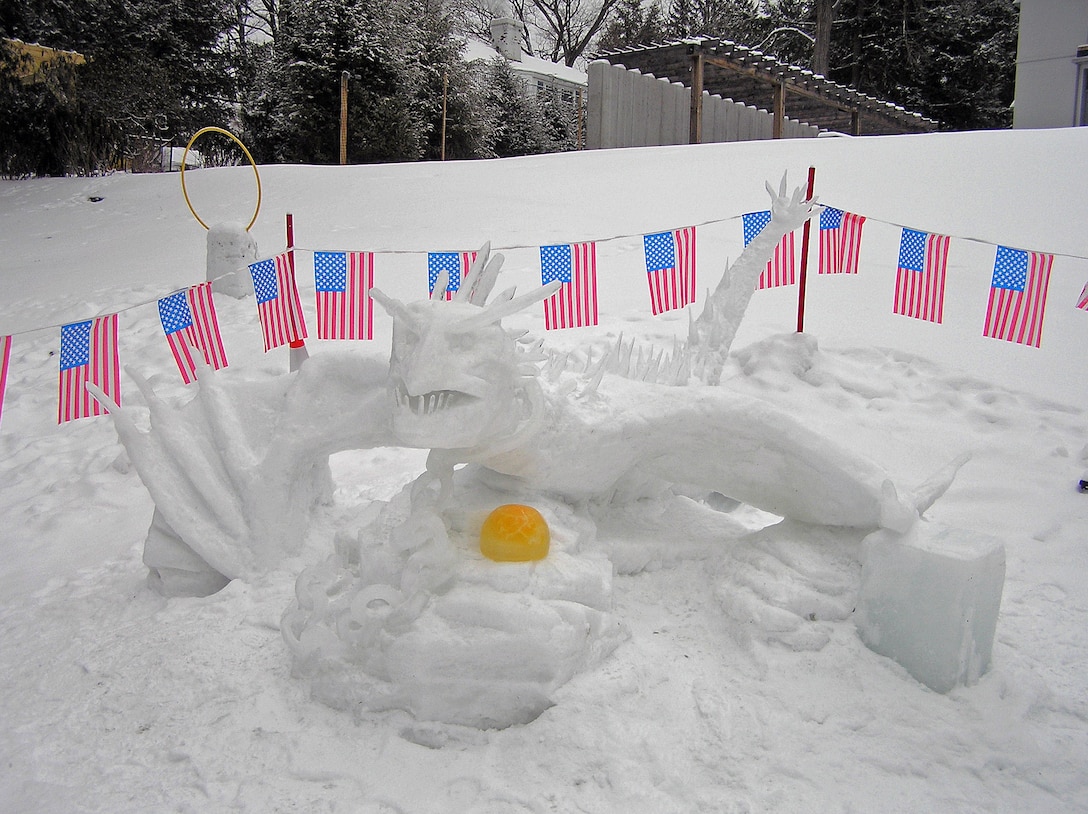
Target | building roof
(743,74)
(475,49)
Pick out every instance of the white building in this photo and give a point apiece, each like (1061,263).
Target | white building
(1052,64)
(542,78)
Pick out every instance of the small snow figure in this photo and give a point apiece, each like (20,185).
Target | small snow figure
(231,248)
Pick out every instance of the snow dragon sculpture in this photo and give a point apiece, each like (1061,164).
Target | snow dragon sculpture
(236,472)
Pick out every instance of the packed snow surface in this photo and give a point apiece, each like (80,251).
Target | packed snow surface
(735,679)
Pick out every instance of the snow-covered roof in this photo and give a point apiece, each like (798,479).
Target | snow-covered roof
(476,49)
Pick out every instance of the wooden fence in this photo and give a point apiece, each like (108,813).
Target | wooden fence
(630,109)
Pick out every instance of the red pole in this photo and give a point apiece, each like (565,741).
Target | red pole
(297,347)
(804,258)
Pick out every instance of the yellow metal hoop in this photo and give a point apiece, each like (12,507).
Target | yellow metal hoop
(252,163)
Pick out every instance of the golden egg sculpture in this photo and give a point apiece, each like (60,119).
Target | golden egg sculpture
(515,533)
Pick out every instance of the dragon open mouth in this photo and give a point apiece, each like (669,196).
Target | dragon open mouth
(430,403)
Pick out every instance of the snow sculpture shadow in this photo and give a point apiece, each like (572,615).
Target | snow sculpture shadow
(405,614)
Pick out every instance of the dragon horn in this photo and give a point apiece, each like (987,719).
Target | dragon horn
(494,313)
(467,290)
(392,307)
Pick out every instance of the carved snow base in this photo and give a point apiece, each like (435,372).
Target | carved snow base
(791,584)
(409,615)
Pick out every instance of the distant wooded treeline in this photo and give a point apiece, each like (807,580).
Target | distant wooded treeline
(270,70)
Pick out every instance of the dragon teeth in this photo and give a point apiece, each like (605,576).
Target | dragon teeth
(426,404)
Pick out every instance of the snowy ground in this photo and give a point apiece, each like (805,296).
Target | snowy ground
(117,700)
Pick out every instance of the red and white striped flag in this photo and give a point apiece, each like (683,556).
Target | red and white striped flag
(782,267)
(840,241)
(5,357)
(1018,291)
(830,241)
(670,268)
(920,277)
(189,322)
(345,309)
(278,306)
(1082,301)
(574,305)
(88,354)
(850,242)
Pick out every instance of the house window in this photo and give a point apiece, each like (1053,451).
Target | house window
(1080,115)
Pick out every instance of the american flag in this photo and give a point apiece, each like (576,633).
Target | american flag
(670,268)
(575,266)
(840,241)
(343,281)
(5,357)
(850,242)
(278,305)
(781,268)
(1082,302)
(830,241)
(920,277)
(1018,296)
(455,264)
(189,322)
(88,354)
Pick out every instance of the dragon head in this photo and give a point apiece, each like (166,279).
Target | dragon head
(456,377)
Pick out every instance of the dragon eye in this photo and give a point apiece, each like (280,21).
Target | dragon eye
(404,335)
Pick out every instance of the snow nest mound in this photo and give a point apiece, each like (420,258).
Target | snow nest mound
(408,614)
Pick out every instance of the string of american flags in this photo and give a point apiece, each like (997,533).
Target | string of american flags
(1014,312)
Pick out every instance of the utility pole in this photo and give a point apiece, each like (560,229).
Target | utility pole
(344,117)
(445,95)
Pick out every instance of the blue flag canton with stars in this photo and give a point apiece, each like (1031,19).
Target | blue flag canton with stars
(660,251)
(449,262)
(912,250)
(831,218)
(331,271)
(265,285)
(555,264)
(754,223)
(1010,269)
(75,345)
(174,312)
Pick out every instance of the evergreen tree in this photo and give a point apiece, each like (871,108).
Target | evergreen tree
(681,20)
(398,55)
(516,125)
(32,114)
(633,25)
(159,70)
(954,61)
(153,70)
(446,80)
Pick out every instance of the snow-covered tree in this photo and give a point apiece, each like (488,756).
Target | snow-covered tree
(401,59)
(633,23)
(154,71)
(952,61)
(516,126)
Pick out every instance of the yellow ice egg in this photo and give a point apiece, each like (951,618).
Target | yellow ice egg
(515,533)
